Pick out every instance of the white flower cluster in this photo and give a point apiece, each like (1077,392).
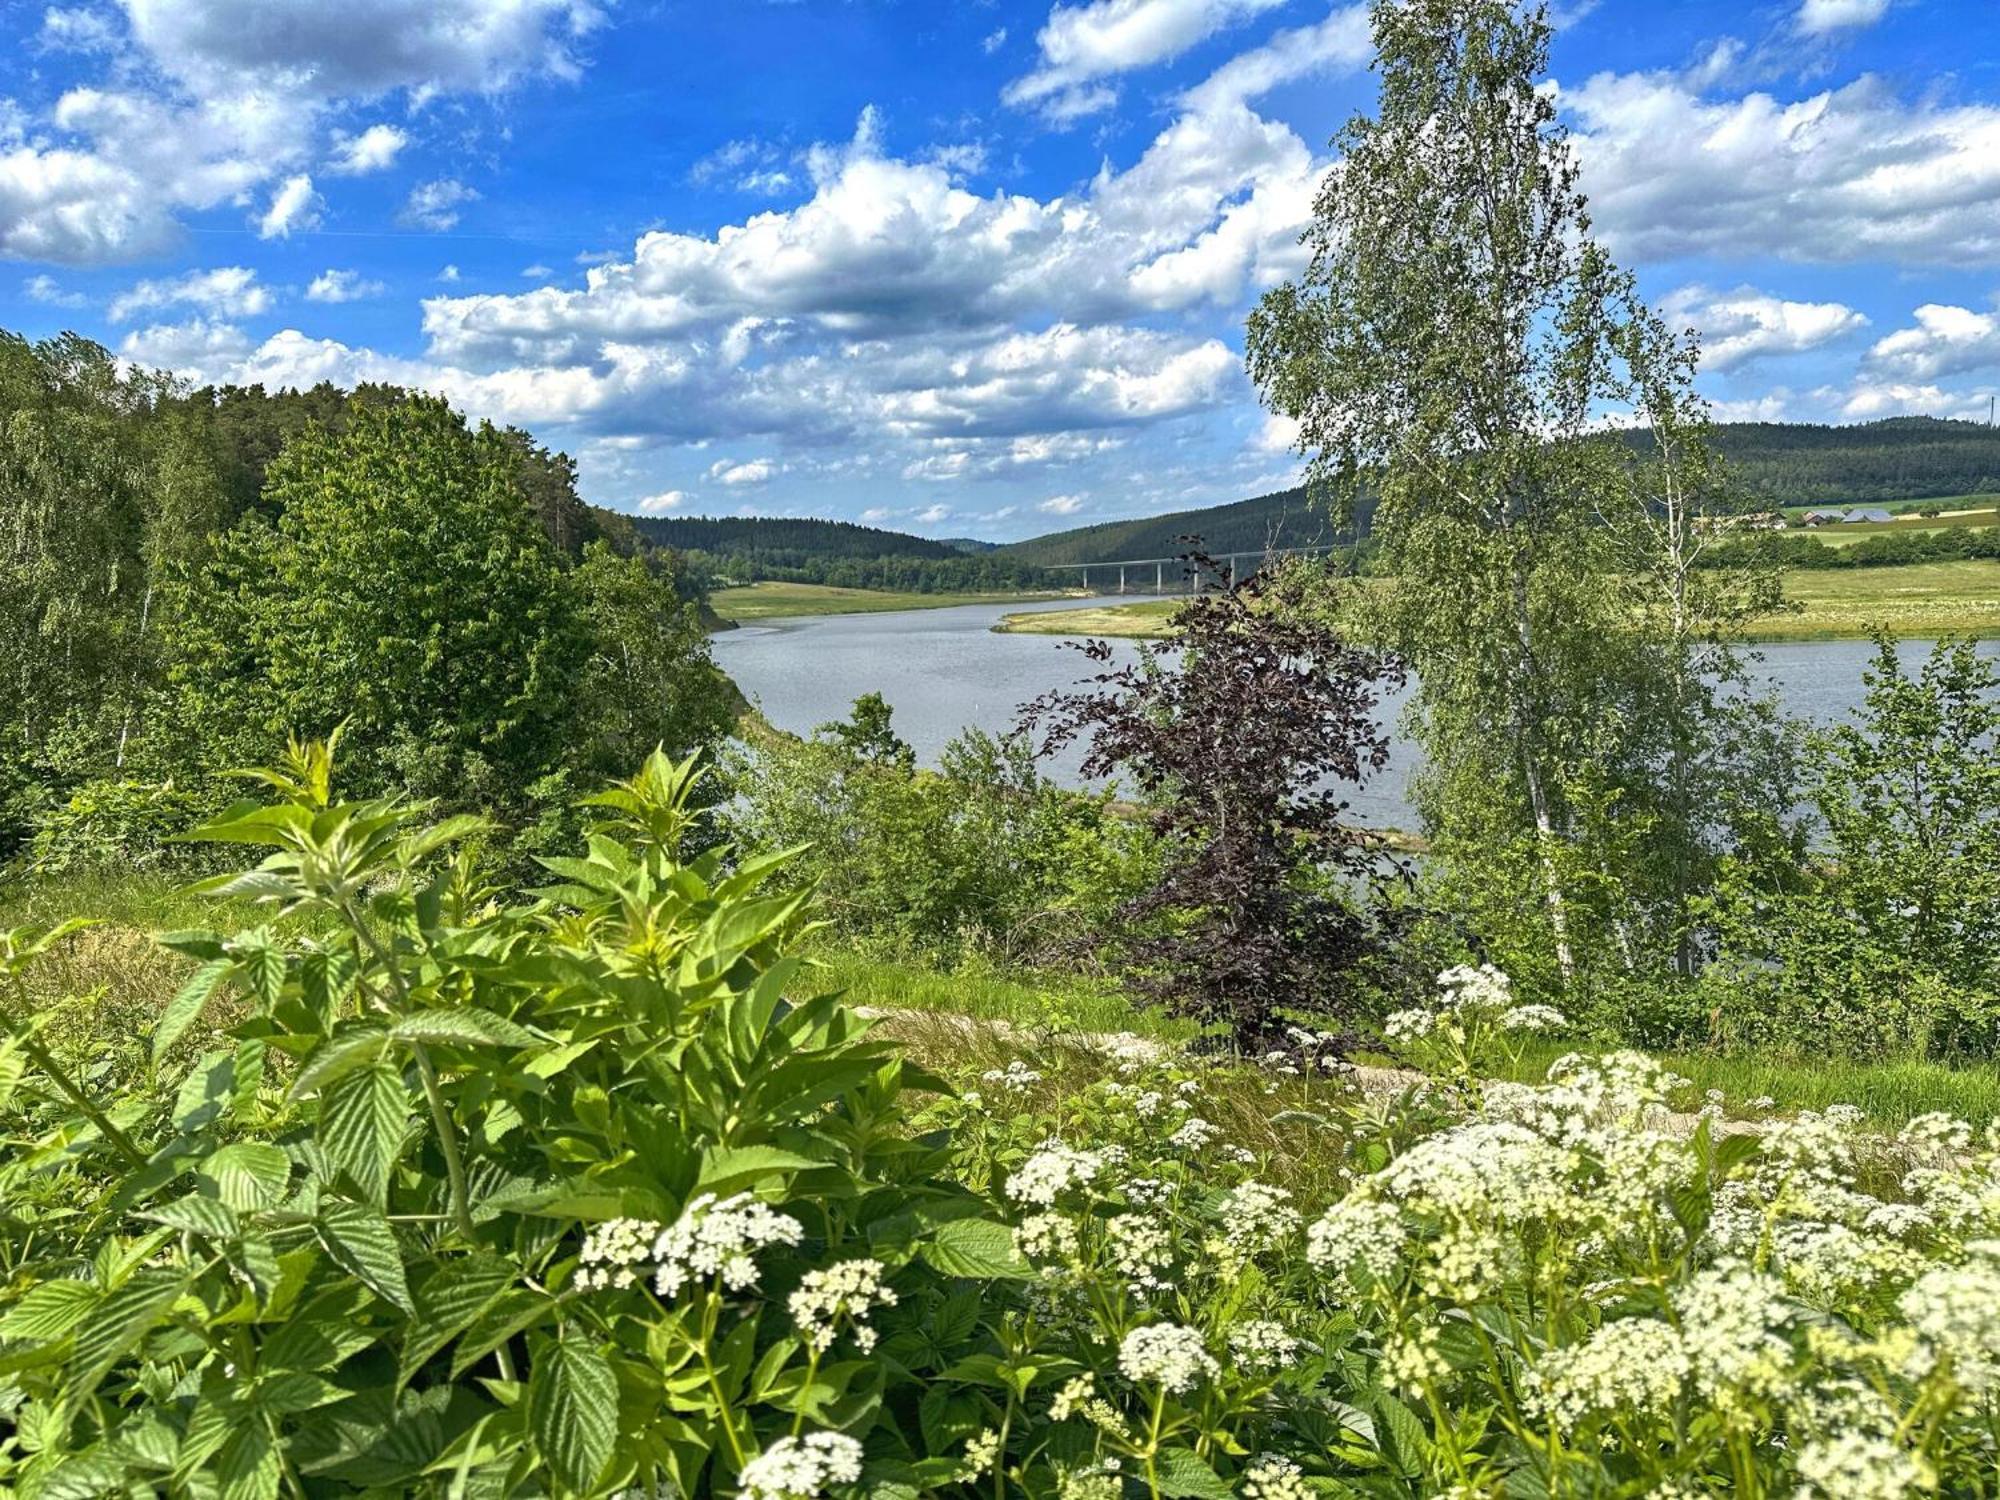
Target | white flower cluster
(1633,1365)
(1195,1133)
(1955,1313)
(1272,1478)
(1732,1320)
(616,1253)
(1048,1238)
(1017,1077)
(1053,1171)
(1168,1355)
(848,1293)
(720,1237)
(1257,1217)
(1261,1345)
(1863,1466)
(795,1468)
(1140,1247)
(708,1239)
(1358,1230)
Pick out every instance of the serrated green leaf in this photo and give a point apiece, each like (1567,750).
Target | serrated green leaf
(977,1248)
(49,1311)
(246,1175)
(354,1046)
(247,1467)
(114,1328)
(186,1007)
(363,1119)
(573,1408)
(1183,1476)
(462,1026)
(448,1301)
(360,1239)
(198,1213)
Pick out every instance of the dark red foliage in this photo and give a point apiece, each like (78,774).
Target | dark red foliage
(1244,737)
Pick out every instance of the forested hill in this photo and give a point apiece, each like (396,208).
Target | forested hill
(1774,463)
(785,543)
(1901,458)
(1285,519)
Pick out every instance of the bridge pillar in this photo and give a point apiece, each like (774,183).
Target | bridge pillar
(1159,578)
(1121,578)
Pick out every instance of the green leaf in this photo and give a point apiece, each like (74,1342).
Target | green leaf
(185,1008)
(1405,1442)
(735,1168)
(354,1047)
(363,1119)
(49,1311)
(573,1408)
(115,1327)
(247,1466)
(463,1026)
(977,1248)
(447,1303)
(1183,1476)
(198,1213)
(247,1175)
(360,1239)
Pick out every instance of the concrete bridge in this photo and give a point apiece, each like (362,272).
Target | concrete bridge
(1132,572)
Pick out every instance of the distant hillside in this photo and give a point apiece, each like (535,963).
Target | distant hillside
(1281,520)
(1901,458)
(1776,463)
(785,542)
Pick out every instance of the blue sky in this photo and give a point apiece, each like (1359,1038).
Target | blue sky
(963,269)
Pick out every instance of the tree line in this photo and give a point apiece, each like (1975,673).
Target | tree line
(189,576)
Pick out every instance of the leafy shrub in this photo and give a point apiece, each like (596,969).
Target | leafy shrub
(1241,741)
(121,824)
(983,856)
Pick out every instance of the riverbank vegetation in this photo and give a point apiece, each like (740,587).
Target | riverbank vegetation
(461,1098)
(769,601)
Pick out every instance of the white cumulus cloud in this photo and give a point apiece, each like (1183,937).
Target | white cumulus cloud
(1081,45)
(224,292)
(1818,17)
(373,150)
(342,286)
(660,504)
(1746,324)
(293,207)
(1946,341)
(435,205)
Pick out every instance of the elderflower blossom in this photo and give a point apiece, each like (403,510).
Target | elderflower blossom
(850,1291)
(1257,1217)
(1052,1171)
(1261,1345)
(1634,1366)
(615,1253)
(1533,1018)
(800,1468)
(1169,1354)
(1047,1237)
(1483,988)
(1465,1263)
(1863,1466)
(719,1238)
(1273,1478)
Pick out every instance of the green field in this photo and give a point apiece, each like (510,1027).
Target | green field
(771,601)
(1920,601)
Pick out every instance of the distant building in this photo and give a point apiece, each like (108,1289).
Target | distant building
(1872,515)
(1823,517)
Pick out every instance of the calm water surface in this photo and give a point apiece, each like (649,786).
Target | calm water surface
(944,670)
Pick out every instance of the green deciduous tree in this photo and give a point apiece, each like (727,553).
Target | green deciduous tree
(407,588)
(1453,349)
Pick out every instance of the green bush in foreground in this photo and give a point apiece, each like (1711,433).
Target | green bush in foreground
(569,1194)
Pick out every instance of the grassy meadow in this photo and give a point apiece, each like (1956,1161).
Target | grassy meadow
(773,601)
(1918,602)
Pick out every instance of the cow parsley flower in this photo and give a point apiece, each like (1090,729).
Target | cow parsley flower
(1256,1217)
(982,1451)
(1856,1465)
(616,1253)
(1955,1314)
(1169,1354)
(720,1238)
(801,1468)
(1358,1231)
(1261,1345)
(1051,1172)
(1416,1358)
(1140,1247)
(1047,1237)
(1270,1477)
(1195,1133)
(1633,1366)
(1017,1077)
(847,1293)
(1533,1018)
(1731,1321)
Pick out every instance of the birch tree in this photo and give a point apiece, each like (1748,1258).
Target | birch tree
(1455,345)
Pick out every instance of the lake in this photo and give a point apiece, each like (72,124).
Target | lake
(944,670)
